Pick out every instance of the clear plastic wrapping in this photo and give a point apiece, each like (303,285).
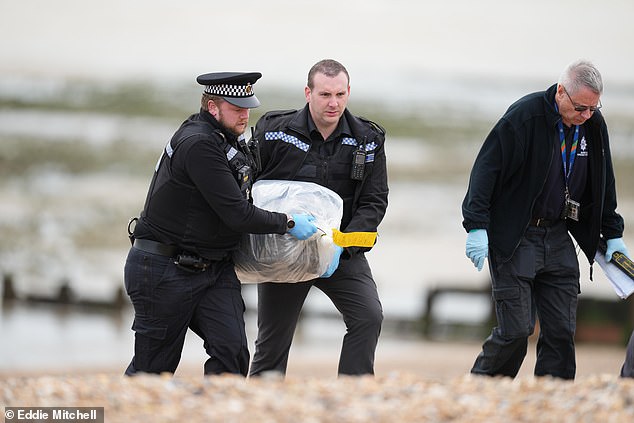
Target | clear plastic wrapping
(283,258)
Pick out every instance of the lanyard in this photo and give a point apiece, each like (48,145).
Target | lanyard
(573,150)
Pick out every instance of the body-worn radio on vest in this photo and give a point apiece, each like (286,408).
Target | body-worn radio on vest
(244,160)
(358,163)
(245,180)
(249,166)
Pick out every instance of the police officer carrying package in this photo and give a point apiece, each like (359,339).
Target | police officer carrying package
(179,273)
(325,144)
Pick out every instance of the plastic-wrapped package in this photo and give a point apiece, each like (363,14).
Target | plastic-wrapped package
(283,258)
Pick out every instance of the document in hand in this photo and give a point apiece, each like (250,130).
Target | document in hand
(620,271)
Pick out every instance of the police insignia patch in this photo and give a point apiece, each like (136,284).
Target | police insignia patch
(583,147)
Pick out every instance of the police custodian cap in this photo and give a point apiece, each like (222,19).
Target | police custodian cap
(234,87)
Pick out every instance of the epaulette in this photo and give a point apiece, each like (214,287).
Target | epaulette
(276,113)
(374,125)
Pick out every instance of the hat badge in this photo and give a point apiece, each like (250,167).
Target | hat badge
(248,89)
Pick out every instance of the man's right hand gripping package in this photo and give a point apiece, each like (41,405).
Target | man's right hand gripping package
(282,258)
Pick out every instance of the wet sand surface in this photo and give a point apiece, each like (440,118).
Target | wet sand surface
(426,359)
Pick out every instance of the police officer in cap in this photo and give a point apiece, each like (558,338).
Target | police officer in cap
(179,273)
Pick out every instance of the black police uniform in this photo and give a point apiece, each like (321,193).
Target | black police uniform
(179,273)
(292,149)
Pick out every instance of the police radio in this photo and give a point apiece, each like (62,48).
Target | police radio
(245,181)
(358,163)
(254,148)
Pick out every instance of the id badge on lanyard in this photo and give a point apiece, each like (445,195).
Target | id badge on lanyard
(571,207)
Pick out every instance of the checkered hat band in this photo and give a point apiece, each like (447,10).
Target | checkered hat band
(225,90)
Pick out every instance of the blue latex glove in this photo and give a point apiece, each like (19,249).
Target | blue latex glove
(614,245)
(334,263)
(304,226)
(477,247)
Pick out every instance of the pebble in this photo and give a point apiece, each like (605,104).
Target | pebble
(395,397)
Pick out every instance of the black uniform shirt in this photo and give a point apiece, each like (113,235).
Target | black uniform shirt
(293,149)
(327,147)
(194,201)
(550,203)
(319,166)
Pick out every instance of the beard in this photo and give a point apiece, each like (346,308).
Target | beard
(236,128)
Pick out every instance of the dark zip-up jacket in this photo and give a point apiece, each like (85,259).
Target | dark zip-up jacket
(288,153)
(511,168)
(194,201)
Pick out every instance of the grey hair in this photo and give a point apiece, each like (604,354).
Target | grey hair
(581,73)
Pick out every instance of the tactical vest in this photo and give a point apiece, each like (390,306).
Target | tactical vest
(241,159)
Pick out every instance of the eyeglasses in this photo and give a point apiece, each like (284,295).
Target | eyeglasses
(579,108)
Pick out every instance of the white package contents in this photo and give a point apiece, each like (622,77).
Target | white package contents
(283,258)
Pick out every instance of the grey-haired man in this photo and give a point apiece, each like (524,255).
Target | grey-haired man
(544,171)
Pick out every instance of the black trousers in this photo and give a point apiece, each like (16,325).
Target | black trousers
(627,370)
(168,301)
(541,281)
(353,292)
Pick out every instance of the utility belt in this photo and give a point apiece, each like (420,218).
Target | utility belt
(185,260)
